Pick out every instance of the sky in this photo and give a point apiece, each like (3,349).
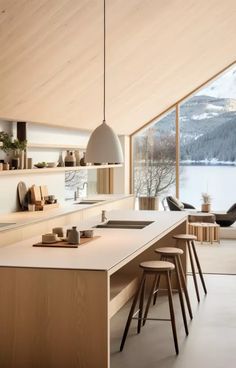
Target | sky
(223,87)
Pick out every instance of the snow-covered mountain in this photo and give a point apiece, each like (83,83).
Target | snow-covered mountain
(223,87)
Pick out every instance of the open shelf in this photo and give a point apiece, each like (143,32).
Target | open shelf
(55,146)
(56,169)
(123,285)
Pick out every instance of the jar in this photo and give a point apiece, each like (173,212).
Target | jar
(74,236)
(82,161)
(70,159)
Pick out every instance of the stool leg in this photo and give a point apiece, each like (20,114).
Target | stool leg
(193,270)
(179,286)
(150,297)
(185,287)
(127,326)
(172,314)
(199,267)
(158,280)
(140,314)
(157,284)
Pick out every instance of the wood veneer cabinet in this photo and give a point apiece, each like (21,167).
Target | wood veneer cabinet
(56,305)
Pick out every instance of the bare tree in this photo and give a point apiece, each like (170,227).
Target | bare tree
(154,163)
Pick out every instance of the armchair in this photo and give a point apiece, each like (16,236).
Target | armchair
(176,205)
(228,218)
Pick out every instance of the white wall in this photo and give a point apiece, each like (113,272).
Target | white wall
(8,188)
(55,181)
(43,134)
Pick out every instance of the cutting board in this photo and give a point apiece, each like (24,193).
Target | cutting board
(43,191)
(35,193)
(22,195)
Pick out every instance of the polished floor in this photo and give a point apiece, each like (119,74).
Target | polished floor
(218,258)
(212,333)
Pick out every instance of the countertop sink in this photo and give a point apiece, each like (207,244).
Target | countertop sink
(5,224)
(89,201)
(122,224)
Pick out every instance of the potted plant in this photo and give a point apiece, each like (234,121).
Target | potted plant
(206,205)
(16,147)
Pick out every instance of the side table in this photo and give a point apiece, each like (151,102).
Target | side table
(201,217)
(205,232)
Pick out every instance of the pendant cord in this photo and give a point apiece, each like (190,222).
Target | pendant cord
(104,63)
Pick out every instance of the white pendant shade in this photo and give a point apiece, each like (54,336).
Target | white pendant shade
(104,146)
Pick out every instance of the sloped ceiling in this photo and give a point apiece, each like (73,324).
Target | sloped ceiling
(157,52)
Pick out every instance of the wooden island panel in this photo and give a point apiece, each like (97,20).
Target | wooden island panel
(53,318)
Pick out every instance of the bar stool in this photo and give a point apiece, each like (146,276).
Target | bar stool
(189,240)
(173,255)
(155,268)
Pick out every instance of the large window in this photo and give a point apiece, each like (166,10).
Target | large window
(205,137)
(208,143)
(154,156)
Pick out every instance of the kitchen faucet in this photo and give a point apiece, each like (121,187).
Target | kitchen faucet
(104,218)
(76,193)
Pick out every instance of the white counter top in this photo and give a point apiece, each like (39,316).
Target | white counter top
(24,218)
(103,253)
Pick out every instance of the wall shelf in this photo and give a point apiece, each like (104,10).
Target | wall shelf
(54,146)
(56,169)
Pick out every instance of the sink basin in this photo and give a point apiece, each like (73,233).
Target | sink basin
(89,201)
(121,224)
(5,224)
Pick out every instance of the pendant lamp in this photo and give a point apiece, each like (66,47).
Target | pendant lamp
(104,145)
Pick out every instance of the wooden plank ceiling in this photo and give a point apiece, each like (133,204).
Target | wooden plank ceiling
(157,52)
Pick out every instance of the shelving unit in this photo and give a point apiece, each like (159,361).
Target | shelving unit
(56,169)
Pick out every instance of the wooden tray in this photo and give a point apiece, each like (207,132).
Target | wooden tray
(65,244)
(46,207)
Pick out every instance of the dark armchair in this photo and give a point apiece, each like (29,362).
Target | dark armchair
(228,218)
(176,205)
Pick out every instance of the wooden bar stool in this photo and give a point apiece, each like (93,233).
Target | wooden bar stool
(155,268)
(173,255)
(189,239)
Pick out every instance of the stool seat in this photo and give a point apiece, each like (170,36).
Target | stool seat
(169,251)
(185,237)
(157,266)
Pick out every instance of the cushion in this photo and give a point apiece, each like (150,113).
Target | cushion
(177,202)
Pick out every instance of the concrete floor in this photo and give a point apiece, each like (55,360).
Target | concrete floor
(212,333)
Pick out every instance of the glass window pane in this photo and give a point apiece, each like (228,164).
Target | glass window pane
(154,157)
(208,144)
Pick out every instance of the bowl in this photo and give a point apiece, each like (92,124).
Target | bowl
(49,238)
(40,165)
(51,164)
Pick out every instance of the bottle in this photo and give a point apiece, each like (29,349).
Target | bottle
(74,236)
(82,161)
(70,158)
(60,160)
(77,157)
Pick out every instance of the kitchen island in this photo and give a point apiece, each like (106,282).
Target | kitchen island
(16,226)
(56,304)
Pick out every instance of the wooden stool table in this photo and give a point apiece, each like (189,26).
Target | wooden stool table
(205,231)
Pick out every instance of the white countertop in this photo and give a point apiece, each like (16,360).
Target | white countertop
(104,253)
(25,218)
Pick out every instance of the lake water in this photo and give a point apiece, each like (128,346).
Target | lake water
(218,181)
